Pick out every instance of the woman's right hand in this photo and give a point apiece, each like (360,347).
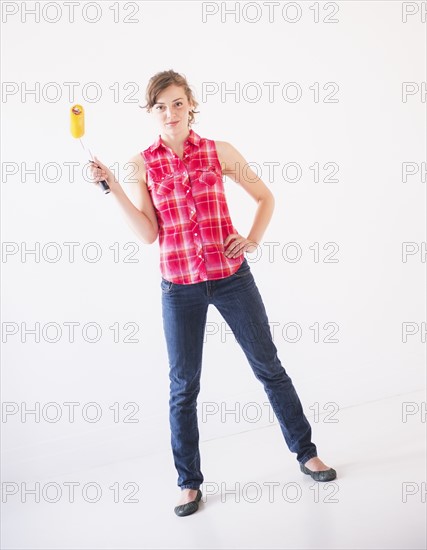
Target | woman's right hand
(100,171)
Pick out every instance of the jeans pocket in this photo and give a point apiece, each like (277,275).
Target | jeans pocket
(243,270)
(166,286)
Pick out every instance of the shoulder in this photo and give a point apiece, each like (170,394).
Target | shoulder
(228,155)
(222,146)
(138,158)
(137,161)
(224,151)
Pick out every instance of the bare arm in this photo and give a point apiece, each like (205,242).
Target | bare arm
(139,214)
(235,166)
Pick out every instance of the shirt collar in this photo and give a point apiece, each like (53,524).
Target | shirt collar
(192,138)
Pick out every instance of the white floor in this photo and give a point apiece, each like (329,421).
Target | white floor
(377,501)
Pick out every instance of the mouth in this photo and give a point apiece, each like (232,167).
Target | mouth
(172,123)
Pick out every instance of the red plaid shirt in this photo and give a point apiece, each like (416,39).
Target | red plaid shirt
(191,208)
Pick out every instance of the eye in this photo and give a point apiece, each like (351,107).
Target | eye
(159,107)
(178,103)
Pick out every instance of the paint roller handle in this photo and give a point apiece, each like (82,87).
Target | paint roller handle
(105,186)
(108,178)
(102,183)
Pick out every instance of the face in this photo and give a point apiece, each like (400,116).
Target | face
(171,110)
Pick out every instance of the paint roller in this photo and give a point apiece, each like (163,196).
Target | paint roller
(77,127)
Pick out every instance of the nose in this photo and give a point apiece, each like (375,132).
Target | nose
(168,112)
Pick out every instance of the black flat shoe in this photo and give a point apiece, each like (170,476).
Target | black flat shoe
(189,507)
(325,475)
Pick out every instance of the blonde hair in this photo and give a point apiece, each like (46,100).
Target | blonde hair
(162,80)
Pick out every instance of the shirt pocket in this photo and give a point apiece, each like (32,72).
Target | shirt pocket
(164,195)
(207,175)
(163,182)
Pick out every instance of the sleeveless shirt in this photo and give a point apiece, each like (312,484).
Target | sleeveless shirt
(192,212)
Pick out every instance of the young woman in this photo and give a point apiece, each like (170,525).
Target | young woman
(178,196)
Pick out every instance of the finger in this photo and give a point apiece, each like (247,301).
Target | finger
(98,162)
(239,249)
(238,252)
(95,172)
(233,248)
(230,237)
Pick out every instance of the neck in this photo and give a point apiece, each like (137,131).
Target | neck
(175,141)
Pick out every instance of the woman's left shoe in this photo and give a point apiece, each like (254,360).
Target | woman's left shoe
(189,507)
(325,475)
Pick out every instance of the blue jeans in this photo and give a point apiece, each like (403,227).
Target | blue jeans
(184,310)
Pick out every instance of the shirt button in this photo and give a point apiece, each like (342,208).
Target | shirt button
(195,234)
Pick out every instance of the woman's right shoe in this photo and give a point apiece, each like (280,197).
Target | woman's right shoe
(322,475)
(189,507)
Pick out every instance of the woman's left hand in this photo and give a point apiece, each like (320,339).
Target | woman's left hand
(235,244)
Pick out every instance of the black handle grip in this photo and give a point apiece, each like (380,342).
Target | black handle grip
(104,186)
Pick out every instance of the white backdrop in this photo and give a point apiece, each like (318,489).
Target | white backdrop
(338,126)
